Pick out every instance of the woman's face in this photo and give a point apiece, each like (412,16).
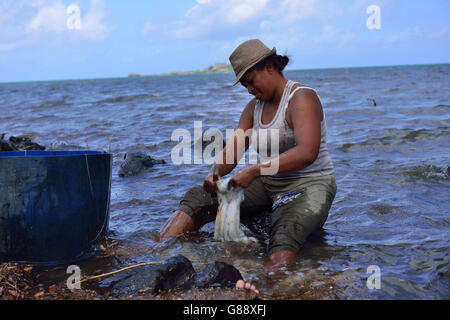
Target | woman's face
(258,83)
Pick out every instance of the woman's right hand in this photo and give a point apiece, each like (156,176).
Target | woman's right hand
(209,184)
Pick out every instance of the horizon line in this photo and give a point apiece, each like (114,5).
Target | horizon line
(167,74)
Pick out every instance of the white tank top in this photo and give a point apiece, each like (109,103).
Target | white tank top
(261,138)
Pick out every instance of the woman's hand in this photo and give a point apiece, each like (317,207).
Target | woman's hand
(244,176)
(209,185)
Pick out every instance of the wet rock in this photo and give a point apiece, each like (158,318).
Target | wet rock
(206,143)
(6,145)
(19,143)
(209,138)
(217,274)
(135,162)
(203,142)
(174,273)
(25,143)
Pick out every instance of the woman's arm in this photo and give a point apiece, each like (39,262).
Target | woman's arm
(236,147)
(227,160)
(304,113)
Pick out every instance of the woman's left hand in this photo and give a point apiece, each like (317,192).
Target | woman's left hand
(243,177)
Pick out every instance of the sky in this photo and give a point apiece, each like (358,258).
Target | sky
(59,39)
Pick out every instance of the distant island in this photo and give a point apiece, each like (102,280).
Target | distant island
(218,67)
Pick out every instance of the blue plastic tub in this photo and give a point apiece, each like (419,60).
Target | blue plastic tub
(54,204)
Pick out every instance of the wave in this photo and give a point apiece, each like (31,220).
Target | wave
(436,110)
(441,106)
(397,138)
(387,210)
(44,105)
(426,172)
(131,203)
(129,97)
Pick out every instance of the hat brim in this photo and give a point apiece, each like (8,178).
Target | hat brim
(243,71)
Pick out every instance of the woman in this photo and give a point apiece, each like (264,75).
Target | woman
(301,191)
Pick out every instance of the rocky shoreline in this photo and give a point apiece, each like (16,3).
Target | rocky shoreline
(22,282)
(172,279)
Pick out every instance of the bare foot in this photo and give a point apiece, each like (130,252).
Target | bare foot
(240,284)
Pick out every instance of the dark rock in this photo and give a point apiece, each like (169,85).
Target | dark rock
(206,143)
(135,162)
(6,145)
(217,274)
(25,143)
(19,143)
(174,273)
(202,143)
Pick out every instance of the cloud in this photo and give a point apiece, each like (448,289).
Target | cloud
(92,26)
(225,11)
(361,5)
(406,35)
(53,17)
(229,20)
(294,27)
(332,35)
(219,17)
(49,18)
(45,21)
(441,33)
(239,11)
(291,11)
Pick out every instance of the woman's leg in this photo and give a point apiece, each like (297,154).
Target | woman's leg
(198,208)
(180,222)
(195,209)
(295,220)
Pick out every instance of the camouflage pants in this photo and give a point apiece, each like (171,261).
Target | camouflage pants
(298,207)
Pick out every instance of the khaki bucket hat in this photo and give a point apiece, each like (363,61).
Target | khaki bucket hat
(248,54)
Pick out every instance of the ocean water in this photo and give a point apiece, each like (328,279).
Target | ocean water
(391,211)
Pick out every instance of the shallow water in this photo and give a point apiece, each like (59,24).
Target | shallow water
(391,165)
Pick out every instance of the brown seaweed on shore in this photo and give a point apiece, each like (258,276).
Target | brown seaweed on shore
(20,282)
(15,281)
